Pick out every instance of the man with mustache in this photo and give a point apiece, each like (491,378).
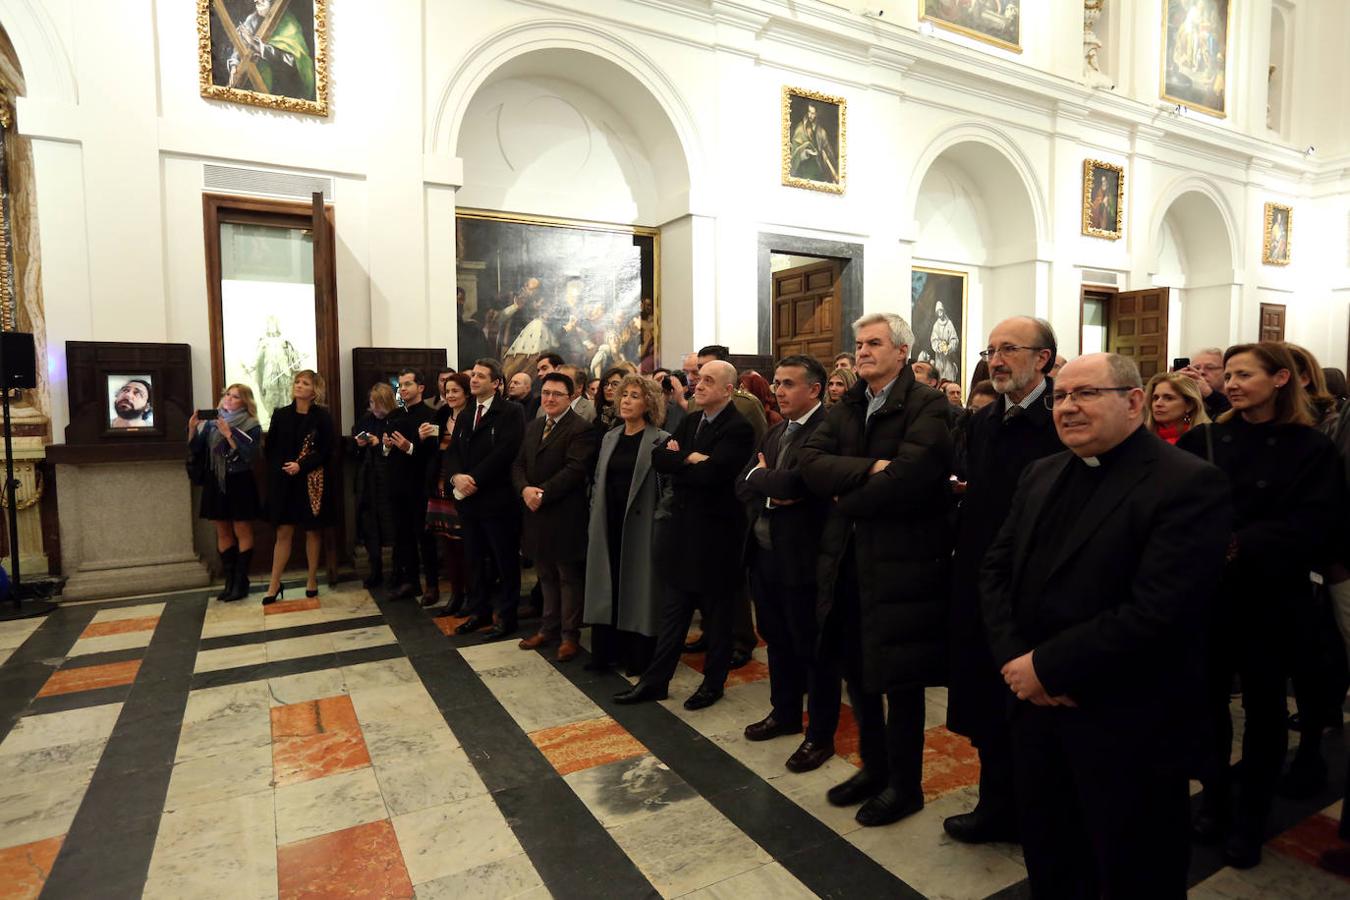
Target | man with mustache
(131,405)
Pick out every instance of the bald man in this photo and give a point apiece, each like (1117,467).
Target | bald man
(700,564)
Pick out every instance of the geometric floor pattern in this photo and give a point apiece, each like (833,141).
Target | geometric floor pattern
(347,746)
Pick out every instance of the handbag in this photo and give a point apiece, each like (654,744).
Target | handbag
(313,478)
(442,518)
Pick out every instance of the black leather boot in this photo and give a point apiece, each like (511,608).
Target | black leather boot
(229,561)
(239,583)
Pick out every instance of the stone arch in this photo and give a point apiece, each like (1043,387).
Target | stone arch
(47,69)
(1196,204)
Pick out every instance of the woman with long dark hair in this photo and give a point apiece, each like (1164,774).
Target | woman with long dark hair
(1286,487)
(607,399)
(230,492)
(299,494)
(442,518)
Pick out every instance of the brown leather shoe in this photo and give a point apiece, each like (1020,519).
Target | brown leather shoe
(534,642)
(809,756)
(567,650)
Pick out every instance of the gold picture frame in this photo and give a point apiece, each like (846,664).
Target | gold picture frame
(941,345)
(1103,200)
(969,25)
(226,34)
(1277,234)
(563,255)
(1192,67)
(813,158)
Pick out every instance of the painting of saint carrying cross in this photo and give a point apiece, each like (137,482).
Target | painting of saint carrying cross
(270,53)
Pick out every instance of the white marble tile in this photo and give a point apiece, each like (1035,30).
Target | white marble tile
(16,767)
(510,877)
(225,627)
(13,634)
(382,674)
(401,722)
(226,700)
(305,686)
(69,727)
(536,695)
(141,611)
(417,781)
(209,778)
(127,641)
(358,638)
(771,882)
(296,648)
(230,658)
(331,803)
(493,655)
(295,619)
(6,653)
(619,792)
(808,789)
(765,758)
(1276,876)
(442,840)
(41,805)
(227,734)
(223,849)
(688,846)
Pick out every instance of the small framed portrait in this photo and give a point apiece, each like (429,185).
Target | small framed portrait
(814,137)
(1277,237)
(271,53)
(131,401)
(997,22)
(938,314)
(1195,54)
(1103,199)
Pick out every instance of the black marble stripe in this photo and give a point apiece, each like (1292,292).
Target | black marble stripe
(79,700)
(283,667)
(294,631)
(571,850)
(34,661)
(810,850)
(107,849)
(103,658)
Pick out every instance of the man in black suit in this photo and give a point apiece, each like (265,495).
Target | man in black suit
(701,560)
(1002,439)
(781,549)
(408,451)
(486,440)
(552,472)
(1095,595)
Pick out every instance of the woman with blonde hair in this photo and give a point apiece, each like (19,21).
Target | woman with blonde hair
(229,442)
(299,493)
(1173,405)
(838,384)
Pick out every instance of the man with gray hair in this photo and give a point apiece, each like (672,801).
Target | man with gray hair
(881,460)
(1206,370)
(1095,596)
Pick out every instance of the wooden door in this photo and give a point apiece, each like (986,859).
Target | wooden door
(806,310)
(1272,321)
(1137,328)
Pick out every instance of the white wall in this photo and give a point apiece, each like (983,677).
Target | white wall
(442,105)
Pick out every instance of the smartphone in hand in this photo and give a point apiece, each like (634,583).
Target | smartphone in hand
(204,414)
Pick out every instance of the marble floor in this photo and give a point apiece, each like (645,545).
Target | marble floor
(346,746)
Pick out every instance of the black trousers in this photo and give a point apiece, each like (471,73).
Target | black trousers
(676,615)
(492,547)
(413,544)
(998,792)
(1101,813)
(787,622)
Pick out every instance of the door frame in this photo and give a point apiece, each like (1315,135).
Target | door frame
(850,257)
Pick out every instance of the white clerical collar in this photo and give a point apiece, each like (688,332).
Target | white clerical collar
(1091,462)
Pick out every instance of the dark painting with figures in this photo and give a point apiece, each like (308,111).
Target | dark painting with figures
(814,135)
(1103,199)
(938,316)
(1195,53)
(997,22)
(265,52)
(586,291)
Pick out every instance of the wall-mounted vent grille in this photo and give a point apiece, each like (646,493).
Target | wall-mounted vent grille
(236,180)
(1097,276)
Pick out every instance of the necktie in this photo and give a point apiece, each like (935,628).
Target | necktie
(1012,412)
(548,429)
(477,417)
(787,438)
(698,429)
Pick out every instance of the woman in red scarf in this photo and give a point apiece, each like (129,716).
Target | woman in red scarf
(1173,405)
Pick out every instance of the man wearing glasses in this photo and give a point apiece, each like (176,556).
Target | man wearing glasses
(1206,370)
(1095,595)
(1003,438)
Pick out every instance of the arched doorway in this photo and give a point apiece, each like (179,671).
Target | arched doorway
(1193,258)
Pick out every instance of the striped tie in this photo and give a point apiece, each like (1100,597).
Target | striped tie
(548,429)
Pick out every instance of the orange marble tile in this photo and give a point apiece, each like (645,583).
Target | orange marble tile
(949,763)
(355,863)
(1308,840)
(846,736)
(289,606)
(585,745)
(316,738)
(448,624)
(121,626)
(24,869)
(88,678)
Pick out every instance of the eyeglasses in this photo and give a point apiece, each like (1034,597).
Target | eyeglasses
(555,394)
(989,353)
(1082,396)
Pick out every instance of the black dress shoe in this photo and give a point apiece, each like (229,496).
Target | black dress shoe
(1209,826)
(856,789)
(697,645)
(702,698)
(738,659)
(979,828)
(499,631)
(430,599)
(769,727)
(404,592)
(1243,849)
(641,693)
(887,807)
(809,757)
(473,624)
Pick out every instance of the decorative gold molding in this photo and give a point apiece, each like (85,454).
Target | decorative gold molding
(1090,166)
(28,502)
(8,300)
(926,16)
(1267,235)
(316,107)
(785,141)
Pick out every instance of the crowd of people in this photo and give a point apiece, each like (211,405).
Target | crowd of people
(1092,565)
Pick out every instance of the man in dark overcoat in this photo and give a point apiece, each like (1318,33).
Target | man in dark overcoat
(883,456)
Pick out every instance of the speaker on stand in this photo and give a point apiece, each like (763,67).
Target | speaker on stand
(18,369)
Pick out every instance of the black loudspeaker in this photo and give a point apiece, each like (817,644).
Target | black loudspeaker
(20,360)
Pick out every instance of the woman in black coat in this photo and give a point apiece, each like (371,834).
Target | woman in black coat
(1286,488)
(299,493)
(229,443)
(374,511)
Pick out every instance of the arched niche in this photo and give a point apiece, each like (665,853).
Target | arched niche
(1193,255)
(974,212)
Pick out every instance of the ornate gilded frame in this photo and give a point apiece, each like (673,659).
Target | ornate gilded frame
(1266,256)
(1162,63)
(9,316)
(926,16)
(581,224)
(785,140)
(316,107)
(1090,166)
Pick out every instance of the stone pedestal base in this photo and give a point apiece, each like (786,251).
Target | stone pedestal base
(126,528)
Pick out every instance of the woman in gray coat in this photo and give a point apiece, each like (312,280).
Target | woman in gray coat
(628,501)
